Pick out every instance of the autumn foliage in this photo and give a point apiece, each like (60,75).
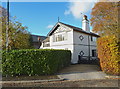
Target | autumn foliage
(105,22)
(105,17)
(109,54)
(18,35)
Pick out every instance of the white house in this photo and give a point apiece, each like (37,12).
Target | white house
(80,41)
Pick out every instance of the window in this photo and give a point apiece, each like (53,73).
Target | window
(93,38)
(81,37)
(94,54)
(60,37)
(81,53)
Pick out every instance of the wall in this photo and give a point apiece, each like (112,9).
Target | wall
(82,45)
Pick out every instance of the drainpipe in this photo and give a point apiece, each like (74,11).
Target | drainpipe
(88,48)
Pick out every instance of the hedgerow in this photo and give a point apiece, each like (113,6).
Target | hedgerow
(109,54)
(34,61)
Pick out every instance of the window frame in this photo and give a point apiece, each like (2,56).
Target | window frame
(59,37)
(94,53)
(93,38)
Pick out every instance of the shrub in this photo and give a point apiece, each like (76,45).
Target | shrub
(109,54)
(34,61)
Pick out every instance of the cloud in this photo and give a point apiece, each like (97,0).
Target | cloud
(50,26)
(79,7)
(67,12)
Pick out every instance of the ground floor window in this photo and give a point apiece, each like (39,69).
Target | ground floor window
(94,54)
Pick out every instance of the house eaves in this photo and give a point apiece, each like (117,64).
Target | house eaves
(73,27)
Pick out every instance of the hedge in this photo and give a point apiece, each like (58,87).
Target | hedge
(34,61)
(109,54)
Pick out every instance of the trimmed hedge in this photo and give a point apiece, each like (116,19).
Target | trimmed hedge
(34,61)
(109,54)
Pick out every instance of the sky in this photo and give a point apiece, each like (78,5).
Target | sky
(40,17)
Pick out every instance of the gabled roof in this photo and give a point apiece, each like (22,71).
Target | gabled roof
(53,29)
(73,27)
(35,38)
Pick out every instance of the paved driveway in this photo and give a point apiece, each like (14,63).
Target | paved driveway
(82,72)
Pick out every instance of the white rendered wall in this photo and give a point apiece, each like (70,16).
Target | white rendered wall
(77,50)
(82,45)
(77,40)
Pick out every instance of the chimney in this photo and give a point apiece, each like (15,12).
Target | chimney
(85,24)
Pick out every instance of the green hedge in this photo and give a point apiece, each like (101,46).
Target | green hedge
(109,54)
(34,61)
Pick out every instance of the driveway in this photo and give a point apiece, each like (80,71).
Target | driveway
(82,72)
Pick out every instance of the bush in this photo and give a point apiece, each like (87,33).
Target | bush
(34,61)
(109,54)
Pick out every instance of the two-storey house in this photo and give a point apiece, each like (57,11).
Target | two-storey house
(80,41)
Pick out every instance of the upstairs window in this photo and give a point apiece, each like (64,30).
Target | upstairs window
(60,37)
(93,38)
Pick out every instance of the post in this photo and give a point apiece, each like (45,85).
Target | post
(7,27)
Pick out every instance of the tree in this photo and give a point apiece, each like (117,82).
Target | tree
(19,37)
(105,18)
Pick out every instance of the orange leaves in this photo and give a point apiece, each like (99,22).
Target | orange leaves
(105,18)
(108,52)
